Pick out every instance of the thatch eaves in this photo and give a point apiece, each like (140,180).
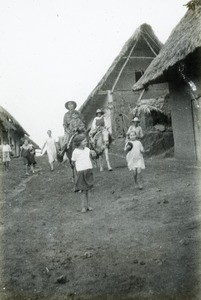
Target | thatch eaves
(144,30)
(184,39)
(146,106)
(9,122)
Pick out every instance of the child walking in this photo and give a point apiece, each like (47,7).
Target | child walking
(28,154)
(135,160)
(81,158)
(6,150)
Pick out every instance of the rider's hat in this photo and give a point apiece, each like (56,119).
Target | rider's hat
(99,111)
(136,119)
(68,102)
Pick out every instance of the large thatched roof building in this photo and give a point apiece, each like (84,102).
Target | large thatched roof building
(179,64)
(11,131)
(114,92)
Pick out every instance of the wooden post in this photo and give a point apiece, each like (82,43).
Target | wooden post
(117,79)
(109,111)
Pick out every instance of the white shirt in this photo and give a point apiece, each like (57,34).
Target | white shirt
(6,148)
(93,125)
(137,130)
(82,160)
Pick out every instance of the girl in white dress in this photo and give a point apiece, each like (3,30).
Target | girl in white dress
(51,149)
(134,157)
(81,158)
(6,150)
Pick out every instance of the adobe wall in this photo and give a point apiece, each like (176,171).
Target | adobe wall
(182,122)
(123,102)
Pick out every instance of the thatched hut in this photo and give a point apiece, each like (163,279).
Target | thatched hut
(179,64)
(114,92)
(11,131)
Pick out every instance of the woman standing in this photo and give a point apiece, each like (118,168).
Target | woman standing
(51,149)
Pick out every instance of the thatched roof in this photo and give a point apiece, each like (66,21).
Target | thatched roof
(184,39)
(146,106)
(33,143)
(144,31)
(9,122)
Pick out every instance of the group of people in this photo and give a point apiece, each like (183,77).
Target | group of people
(82,156)
(74,128)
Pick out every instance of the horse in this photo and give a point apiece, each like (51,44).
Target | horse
(100,144)
(68,150)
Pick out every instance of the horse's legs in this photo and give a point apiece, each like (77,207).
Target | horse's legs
(101,163)
(107,159)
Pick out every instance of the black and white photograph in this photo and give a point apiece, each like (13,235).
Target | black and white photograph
(100,150)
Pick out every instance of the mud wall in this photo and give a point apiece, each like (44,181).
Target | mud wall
(182,122)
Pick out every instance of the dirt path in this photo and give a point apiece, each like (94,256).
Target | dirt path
(133,245)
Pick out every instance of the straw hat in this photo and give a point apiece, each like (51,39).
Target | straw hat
(136,119)
(68,102)
(99,111)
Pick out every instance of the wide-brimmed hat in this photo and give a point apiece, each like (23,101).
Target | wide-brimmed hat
(68,102)
(136,119)
(99,111)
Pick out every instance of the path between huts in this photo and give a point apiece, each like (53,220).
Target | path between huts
(133,245)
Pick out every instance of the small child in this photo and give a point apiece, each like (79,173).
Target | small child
(134,157)
(28,154)
(81,158)
(6,150)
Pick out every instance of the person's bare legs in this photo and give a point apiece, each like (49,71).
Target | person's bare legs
(51,166)
(32,169)
(83,200)
(135,177)
(139,178)
(87,202)
(27,173)
(107,159)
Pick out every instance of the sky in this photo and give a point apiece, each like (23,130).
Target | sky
(52,51)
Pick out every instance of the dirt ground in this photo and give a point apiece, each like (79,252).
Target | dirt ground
(133,245)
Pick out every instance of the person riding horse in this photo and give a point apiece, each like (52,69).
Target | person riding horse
(100,138)
(98,125)
(72,122)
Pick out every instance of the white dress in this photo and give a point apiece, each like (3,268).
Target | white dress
(51,149)
(134,157)
(6,153)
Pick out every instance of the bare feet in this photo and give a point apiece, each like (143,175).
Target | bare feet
(83,210)
(89,208)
